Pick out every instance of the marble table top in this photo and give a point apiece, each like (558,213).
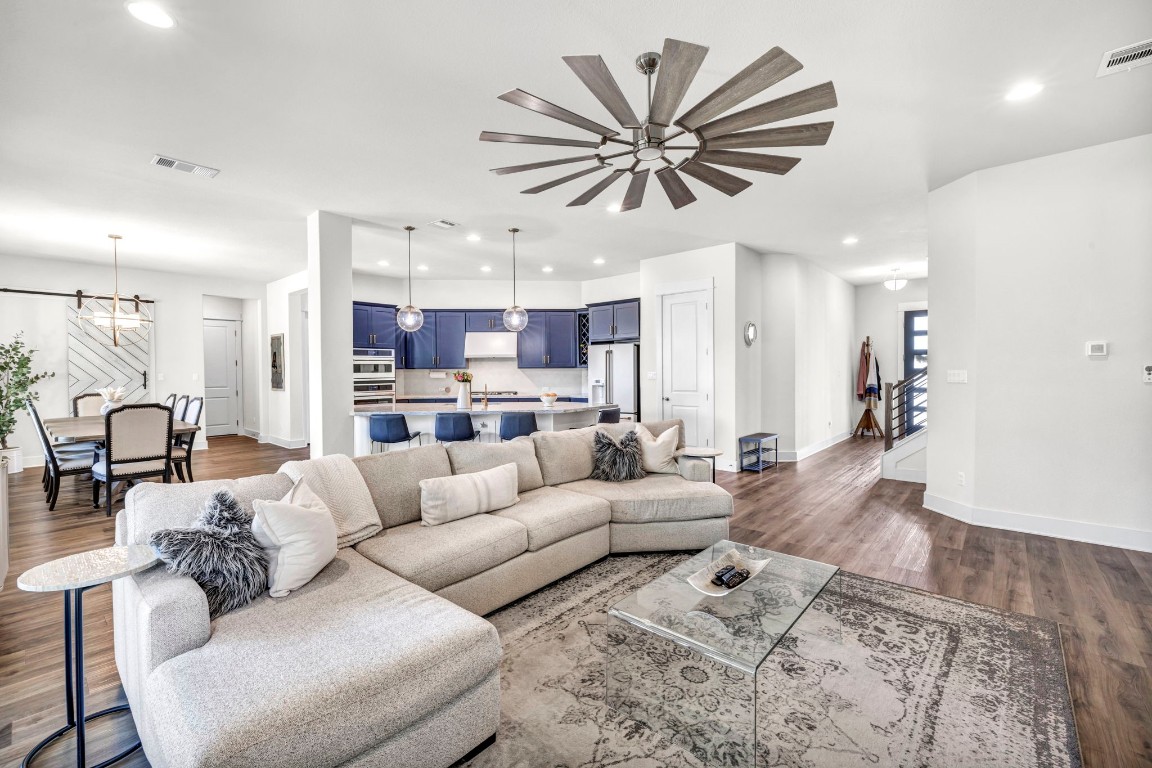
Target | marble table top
(87,569)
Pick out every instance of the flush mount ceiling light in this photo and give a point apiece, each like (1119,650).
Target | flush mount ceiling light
(382,263)
(473,238)
(598,261)
(485,268)
(152,14)
(515,317)
(895,282)
(423,267)
(1022,91)
(546,269)
(705,138)
(115,320)
(613,208)
(850,240)
(409,317)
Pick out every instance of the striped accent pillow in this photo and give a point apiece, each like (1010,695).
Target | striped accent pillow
(444,499)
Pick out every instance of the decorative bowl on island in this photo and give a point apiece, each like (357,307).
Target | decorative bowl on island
(549,399)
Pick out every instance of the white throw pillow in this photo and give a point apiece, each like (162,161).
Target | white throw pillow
(444,499)
(299,535)
(659,453)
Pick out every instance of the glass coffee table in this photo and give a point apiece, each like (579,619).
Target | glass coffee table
(684,662)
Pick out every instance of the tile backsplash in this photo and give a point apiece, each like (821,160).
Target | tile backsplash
(498,374)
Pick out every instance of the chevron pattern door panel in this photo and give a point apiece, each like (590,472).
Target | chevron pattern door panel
(93,365)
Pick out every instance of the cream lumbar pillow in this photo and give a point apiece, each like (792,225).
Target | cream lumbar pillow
(659,453)
(299,536)
(444,499)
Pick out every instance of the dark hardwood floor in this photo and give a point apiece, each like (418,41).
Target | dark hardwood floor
(831,507)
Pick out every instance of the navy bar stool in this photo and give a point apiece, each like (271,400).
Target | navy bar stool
(455,427)
(389,428)
(609,416)
(513,425)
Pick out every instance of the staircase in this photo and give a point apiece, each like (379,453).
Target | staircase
(906,429)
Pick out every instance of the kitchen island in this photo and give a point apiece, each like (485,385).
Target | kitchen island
(421,418)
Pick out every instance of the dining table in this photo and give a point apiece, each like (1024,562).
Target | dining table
(84,429)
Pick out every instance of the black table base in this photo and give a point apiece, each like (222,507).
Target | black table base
(74,688)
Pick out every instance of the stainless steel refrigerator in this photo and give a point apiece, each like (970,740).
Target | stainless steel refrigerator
(614,377)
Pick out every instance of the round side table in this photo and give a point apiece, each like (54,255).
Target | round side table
(705,453)
(74,575)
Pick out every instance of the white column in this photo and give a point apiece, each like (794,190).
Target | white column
(330,333)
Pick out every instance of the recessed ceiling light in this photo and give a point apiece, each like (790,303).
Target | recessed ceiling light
(423,267)
(150,13)
(382,263)
(598,260)
(614,208)
(1023,91)
(485,268)
(546,269)
(850,240)
(474,237)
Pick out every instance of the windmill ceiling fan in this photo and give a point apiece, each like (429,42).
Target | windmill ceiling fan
(708,138)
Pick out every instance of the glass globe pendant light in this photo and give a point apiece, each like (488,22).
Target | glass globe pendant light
(515,317)
(409,317)
(895,282)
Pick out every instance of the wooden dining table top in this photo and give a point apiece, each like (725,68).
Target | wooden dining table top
(82,429)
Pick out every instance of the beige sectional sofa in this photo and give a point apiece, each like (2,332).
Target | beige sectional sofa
(382,659)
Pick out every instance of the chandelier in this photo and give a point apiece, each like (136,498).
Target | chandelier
(115,320)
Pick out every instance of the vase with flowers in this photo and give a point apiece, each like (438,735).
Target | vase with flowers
(113,398)
(464,394)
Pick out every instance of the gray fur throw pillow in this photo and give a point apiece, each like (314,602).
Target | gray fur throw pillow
(615,461)
(219,553)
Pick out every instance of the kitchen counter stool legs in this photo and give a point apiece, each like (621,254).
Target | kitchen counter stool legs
(75,716)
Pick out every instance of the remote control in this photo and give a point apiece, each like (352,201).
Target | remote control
(735,578)
(720,574)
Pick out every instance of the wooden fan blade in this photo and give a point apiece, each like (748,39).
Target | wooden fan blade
(519,138)
(593,72)
(813,99)
(809,134)
(562,180)
(765,72)
(716,178)
(678,193)
(679,63)
(635,194)
(542,164)
(750,160)
(536,104)
(598,187)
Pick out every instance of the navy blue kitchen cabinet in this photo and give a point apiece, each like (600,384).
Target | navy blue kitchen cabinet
(485,320)
(373,327)
(549,341)
(361,325)
(450,328)
(615,321)
(420,345)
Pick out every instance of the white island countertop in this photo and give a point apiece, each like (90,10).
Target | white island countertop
(494,407)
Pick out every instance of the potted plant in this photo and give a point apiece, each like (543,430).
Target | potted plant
(16,383)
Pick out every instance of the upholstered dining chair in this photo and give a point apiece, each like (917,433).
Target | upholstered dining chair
(608,416)
(137,444)
(57,465)
(182,444)
(513,425)
(454,428)
(170,401)
(389,429)
(179,408)
(87,404)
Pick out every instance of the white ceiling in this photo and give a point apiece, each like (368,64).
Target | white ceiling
(373,110)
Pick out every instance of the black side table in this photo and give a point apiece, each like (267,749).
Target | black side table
(755,455)
(74,575)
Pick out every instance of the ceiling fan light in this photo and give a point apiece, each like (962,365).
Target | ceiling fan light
(409,318)
(516,318)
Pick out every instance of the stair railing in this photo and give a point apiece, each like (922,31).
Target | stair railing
(905,407)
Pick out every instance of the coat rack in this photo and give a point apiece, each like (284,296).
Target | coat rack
(868,366)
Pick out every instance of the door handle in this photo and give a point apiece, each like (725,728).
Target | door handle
(667,399)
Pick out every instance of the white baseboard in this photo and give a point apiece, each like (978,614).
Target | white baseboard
(1074,530)
(283,442)
(254,433)
(815,448)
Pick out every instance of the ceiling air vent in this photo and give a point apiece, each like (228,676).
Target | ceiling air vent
(1126,58)
(180,165)
(442,223)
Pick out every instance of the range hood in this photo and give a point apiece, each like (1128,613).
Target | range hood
(490,344)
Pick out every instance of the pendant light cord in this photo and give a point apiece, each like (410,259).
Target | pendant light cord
(514,267)
(409,229)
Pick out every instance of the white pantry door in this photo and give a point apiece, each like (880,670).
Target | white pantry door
(687,362)
(221,377)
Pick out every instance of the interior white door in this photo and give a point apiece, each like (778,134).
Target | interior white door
(687,362)
(221,377)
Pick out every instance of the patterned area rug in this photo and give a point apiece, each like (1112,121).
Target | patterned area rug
(913,679)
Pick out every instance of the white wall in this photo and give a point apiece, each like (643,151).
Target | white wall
(467,294)
(615,288)
(283,420)
(878,315)
(222,308)
(256,392)
(1029,262)
(177,334)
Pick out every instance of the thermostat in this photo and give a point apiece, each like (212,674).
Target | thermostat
(1096,349)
